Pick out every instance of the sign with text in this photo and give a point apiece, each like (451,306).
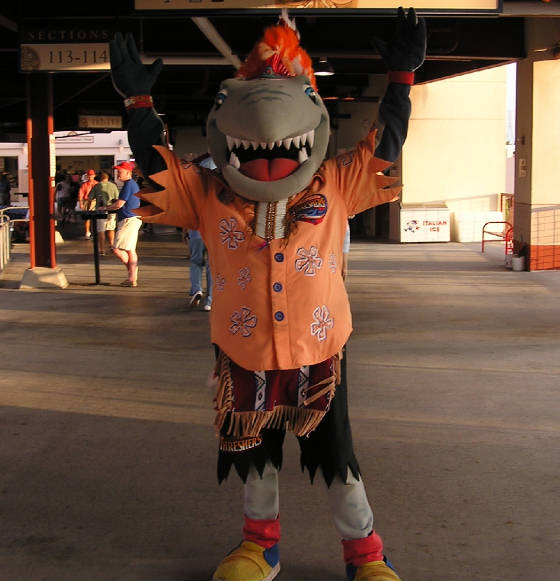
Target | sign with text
(425,225)
(75,48)
(64,57)
(72,137)
(439,6)
(100,122)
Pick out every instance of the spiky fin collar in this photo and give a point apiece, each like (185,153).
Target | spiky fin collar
(278,54)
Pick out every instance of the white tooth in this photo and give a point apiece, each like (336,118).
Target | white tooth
(230,142)
(303,139)
(263,144)
(271,145)
(234,161)
(246,144)
(311,138)
(302,155)
(255,144)
(279,143)
(297,141)
(237,142)
(287,142)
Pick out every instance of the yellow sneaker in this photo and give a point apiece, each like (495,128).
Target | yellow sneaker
(374,571)
(249,562)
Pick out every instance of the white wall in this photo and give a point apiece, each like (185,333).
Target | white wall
(455,153)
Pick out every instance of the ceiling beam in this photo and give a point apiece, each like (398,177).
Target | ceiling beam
(9,24)
(207,28)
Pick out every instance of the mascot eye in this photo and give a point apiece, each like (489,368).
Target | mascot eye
(311,93)
(220,98)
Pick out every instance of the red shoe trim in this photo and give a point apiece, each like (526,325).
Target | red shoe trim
(361,551)
(265,533)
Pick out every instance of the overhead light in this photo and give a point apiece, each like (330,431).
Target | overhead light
(554,50)
(323,68)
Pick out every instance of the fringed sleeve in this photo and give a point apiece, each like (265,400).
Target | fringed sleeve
(359,177)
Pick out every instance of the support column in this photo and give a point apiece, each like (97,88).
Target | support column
(43,271)
(537,173)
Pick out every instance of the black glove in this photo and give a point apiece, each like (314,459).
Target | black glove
(406,50)
(130,77)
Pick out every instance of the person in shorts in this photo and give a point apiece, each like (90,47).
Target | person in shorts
(105,193)
(83,200)
(128,223)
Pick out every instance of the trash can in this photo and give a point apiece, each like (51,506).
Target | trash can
(518,263)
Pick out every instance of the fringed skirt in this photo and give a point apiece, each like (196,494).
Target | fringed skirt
(255,408)
(249,401)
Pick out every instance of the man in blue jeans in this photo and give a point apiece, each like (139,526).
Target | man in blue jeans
(198,259)
(199,256)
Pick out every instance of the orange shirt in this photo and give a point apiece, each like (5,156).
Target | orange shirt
(85,189)
(282,303)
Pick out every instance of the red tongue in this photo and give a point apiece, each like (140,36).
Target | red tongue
(266,170)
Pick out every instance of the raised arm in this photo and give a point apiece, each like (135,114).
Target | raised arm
(134,81)
(402,54)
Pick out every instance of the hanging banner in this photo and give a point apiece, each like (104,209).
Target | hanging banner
(439,6)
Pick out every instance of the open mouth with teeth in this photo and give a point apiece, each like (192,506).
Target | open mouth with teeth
(267,162)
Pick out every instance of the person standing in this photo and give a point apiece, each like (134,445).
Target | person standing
(83,194)
(4,189)
(199,258)
(105,193)
(63,197)
(128,223)
(199,254)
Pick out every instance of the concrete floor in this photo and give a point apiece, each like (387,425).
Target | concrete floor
(107,450)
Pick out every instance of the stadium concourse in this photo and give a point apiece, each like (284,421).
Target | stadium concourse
(108,451)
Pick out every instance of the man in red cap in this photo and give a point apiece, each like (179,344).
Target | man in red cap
(83,194)
(128,223)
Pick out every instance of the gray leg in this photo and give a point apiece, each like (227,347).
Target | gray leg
(261,498)
(350,508)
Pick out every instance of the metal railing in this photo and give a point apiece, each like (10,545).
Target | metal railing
(6,232)
(503,233)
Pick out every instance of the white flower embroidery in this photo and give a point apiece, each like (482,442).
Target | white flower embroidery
(322,321)
(332,261)
(220,282)
(243,321)
(229,234)
(244,277)
(309,261)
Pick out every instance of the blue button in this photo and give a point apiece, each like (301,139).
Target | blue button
(279,315)
(279,257)
(277,286)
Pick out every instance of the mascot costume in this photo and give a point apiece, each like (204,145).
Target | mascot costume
(273,215)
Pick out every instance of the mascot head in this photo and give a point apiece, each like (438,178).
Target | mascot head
(268,130)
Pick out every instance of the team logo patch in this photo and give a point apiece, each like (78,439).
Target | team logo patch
(312,209)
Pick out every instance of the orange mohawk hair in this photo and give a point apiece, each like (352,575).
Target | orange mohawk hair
(278,53)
